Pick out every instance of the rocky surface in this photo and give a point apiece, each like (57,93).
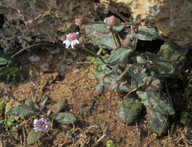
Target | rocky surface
(172,17)
(24,23)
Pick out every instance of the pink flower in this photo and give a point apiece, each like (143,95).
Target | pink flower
(41,125)
(71,40)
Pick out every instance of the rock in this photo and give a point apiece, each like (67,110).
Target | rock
(173,18)
(23,23)
(130,110)
(158,122)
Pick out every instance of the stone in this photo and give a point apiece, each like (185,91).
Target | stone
(173,18)
(23,23)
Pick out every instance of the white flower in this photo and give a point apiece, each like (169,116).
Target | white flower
(40,125)
(71,40)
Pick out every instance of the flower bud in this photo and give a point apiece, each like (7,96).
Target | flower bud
(79,21)
(136,71)
(99,90)
(7,91)
(111,21)
(114,86)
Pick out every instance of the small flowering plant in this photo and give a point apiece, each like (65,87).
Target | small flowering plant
(71,40)
(40,126)
(126,70)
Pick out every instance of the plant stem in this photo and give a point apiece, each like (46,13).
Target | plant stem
(2,143)
(127,69)
(106,75)
(117,41)
(14,98)
(118,14)
(38,44)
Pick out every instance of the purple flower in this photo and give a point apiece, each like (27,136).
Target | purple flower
(71,40)
(114,86)
(41,125)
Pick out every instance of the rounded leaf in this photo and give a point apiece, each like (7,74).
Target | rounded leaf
(20,111)
(130,110)
(33,137)
(158,122)
(100,35)
(65,118)
(147,34)
(61,105)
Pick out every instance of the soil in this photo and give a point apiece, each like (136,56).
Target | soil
(67,74)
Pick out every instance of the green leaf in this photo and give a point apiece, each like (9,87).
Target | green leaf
(120,55)
(33,137)
(129,110)
(3,61)
(161,67)
(136,79)
(10,71)
(65,118)
(184,117)
(9,122)
(100,35)
(110,143)
(158,122)
(122,89)
(157,101)
(147,34)
(2,104)
(20,111)
(61,105)
(45,98)
(118,28)
(172,52)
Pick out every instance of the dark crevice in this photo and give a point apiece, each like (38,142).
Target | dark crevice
(149,46)
(96,1)
(2,20)
(125,15)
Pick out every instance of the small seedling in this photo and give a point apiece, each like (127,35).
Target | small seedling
(31,109)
